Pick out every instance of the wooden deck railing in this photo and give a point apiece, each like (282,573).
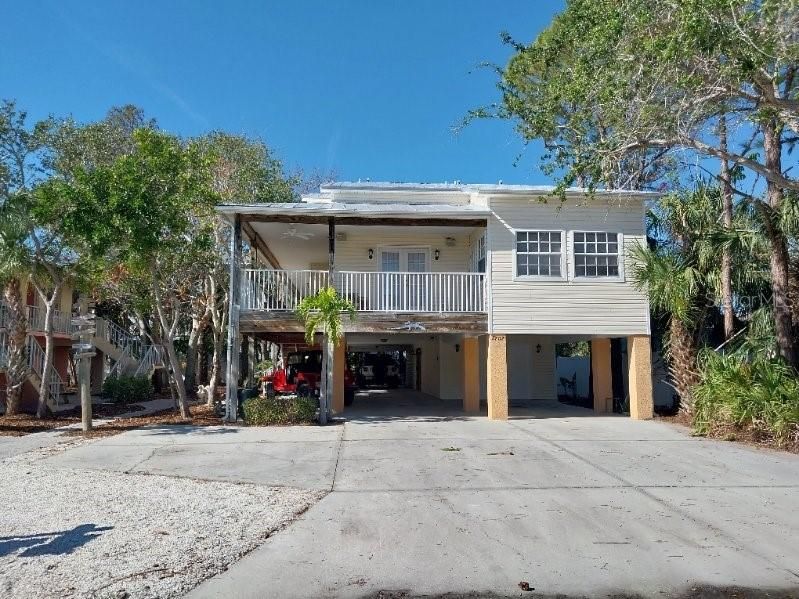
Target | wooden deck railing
(443,292)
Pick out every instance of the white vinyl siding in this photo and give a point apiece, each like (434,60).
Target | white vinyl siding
(352,254)
(568,306)
(531,373)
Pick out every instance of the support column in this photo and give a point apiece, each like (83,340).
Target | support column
(471,374)
(339,367)
(233,339)
(252,362)
(98,372)
(602,375)
(245,372)
(497,377)
(639,360)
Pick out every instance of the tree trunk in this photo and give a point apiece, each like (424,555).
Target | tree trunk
(169,345)
(216,367)
(198,324)
(17,366)
(726,258)
(779,249)
(682,363)
(177,375)
(793,293)
(44,385)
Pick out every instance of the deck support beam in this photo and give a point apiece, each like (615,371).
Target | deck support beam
(233,339)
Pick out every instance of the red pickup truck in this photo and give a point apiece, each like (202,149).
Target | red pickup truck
(302,375)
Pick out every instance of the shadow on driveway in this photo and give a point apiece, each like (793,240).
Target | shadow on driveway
(51,543)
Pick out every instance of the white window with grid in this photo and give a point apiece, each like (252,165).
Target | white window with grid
(477,261)
(596,255)
(539,254)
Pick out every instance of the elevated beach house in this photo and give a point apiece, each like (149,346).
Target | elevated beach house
(473,286)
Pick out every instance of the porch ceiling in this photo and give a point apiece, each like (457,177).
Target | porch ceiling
(295,246)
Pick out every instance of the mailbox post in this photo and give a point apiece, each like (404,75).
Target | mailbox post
(84,327)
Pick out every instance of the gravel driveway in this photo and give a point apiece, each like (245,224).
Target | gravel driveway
(80,533)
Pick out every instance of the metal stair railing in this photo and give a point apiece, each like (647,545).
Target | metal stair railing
(36,358)
(118,337)
(153,358)
(3,315)
(3,350)
(116,369)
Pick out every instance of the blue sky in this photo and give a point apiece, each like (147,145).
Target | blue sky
(369,89)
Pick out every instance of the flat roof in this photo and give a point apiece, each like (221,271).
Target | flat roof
(488,188)
(399,210)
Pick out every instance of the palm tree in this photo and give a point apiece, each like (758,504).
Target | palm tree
(322,313)
(682,273)
(14,269)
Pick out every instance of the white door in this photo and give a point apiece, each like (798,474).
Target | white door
(404,291)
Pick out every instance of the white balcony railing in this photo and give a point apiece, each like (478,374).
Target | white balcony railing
(264,289)
(62,321)
(274,290)
(412,291)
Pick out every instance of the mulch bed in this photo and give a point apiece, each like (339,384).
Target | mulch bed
(109,410)
(200,416)
(25,424)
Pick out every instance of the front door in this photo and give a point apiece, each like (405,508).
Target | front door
(404,290)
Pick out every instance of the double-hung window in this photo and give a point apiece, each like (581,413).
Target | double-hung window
(539,254)
(596,255)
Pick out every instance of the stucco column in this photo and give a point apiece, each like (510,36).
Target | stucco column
(640,377)
(602,374)
(470,348)
(497,373)
(339,367)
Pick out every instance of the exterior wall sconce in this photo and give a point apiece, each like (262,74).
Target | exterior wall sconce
(538,348)
(437,254)
(457,347)
(371,253)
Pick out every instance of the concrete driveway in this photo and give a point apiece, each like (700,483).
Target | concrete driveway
(430,504)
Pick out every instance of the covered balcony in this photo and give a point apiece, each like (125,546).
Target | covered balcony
(441,292)
(418,266)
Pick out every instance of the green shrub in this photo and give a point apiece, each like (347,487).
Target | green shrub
(127,389)
(262,411)
(759,394)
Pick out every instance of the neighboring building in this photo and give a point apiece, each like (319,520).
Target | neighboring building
(62,375)
(473,284)
(116,352)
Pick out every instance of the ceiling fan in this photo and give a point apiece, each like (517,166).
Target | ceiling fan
(292,232)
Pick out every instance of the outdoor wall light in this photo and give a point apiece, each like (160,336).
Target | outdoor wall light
(538,348)
(457,347)
(437,254)
(371,253)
